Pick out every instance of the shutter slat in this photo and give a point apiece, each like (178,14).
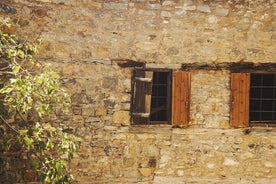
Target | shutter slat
(141,96)
(240,86)
(144,79)
(148,75)
(175,99)
(181,98)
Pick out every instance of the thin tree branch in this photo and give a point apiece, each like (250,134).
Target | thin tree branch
(8,125)
(20,115)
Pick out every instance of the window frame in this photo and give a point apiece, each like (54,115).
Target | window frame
(168,97)
(173,119)
(240,99)
(261,122)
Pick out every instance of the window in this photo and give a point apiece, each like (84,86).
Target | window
(253,98)
(262,99)
(160,97)
(160,109)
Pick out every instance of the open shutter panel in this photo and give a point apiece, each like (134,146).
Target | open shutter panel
(240,86)
(142,96)
(181,98)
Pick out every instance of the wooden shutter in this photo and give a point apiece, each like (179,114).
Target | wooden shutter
(181,98)
(240,86)
(141,96)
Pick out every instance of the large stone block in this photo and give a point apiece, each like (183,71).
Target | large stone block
(121,117)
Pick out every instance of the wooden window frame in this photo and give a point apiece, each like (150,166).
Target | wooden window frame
(178,97)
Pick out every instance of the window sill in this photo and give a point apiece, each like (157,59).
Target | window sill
(153,128)
(169,129)
(255,129)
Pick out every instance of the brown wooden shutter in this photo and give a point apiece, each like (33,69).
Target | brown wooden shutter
(181,98)
(240,86)
(142,90)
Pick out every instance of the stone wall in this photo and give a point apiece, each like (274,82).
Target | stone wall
(88,42)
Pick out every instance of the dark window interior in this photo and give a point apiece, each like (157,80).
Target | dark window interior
(160,98)
(263,98)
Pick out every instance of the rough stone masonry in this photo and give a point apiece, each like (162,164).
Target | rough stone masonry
(88,40)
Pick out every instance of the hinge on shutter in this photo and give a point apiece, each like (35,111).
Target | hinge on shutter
(186,104)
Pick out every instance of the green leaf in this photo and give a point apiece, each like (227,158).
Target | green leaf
(21,54)
(50,145)
(23,132)
(6,89)
(15,69)
(29,142)
(6,145)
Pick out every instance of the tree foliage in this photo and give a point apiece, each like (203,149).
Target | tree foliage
(30,92)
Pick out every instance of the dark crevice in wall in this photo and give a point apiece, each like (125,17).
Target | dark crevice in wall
(233,67)
(7,9)
(124,63)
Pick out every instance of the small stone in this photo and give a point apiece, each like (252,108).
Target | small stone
(180,172)
(224,123)
(101,52)
(155,6)
(79,98)
(221,12)
(12,29)
(87,110)
(168,3)
(145,171)
(214,58)
(146,13)
(110,128)
(26,10)
(40,12)
(101,111)
(77,110)
(190,8)
(150,150)
(172,51)
(128,162)
(229,162)
(95,4)
(210,165)
(121,117)
(247,155)
(145,136)
(204,8)
(77,118)
(212,19)
(164,160)
(110,83)
(269,164)
(181,13)
(188,2)
(165,14)
(119,6)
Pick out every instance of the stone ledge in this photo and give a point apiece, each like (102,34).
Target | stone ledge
(180,180)
(168,129)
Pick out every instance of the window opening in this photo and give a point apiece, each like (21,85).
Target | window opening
(263,99)
(160,97)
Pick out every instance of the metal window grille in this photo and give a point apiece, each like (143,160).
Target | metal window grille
(160,97)
(263,98)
